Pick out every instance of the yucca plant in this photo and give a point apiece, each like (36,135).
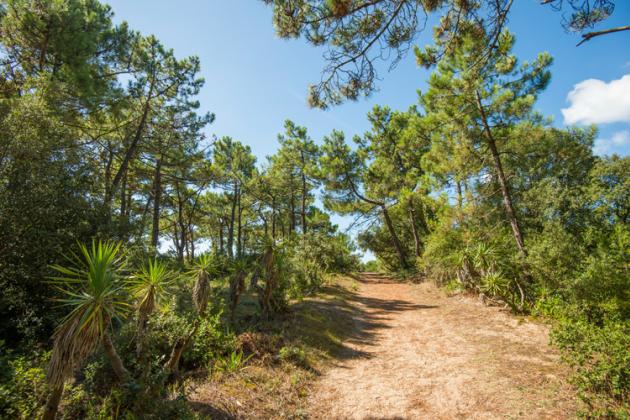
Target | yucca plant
(200,272)
(267,263)
(93,288)
(149,286)
(484,258)
(274,267)
(495,284)
(233,362)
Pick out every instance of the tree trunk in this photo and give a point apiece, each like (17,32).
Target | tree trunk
(239,228)
(230,238)
(123,198)
(52,404)
(128,201)
(221,247)
(292,215)
(505,190)
(292,209)
(180,230)
(108,177)
(399,249)
(265,224)
(157,199)
(273,218)
(145,211)
(131,151)
(114,359)
(303,210)
(191,238)
(179,248)
(414,229)
(460,199)
(172,364)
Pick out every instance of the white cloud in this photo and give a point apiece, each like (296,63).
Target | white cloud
(606,146)
(596,102)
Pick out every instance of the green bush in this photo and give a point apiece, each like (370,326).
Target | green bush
(600,355)
(213,341)
(23,385)
(591,316)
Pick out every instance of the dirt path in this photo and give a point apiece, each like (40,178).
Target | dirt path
(415,353)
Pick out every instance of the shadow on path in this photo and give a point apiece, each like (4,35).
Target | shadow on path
(341,317)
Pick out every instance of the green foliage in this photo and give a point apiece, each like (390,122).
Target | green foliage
(150,286)
(233,362)
(293,354)
(600,355)
(371,266)
(358,34)
(213,342)
(94,291)
(23,384)
(102,143)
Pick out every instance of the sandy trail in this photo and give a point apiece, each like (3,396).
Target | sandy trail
(416,353)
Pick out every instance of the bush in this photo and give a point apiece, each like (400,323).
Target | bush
(601,358)
(23,385)
(592,323)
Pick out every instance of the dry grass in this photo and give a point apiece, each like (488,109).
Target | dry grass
(269,387)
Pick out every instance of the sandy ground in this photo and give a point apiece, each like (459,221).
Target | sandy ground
(418,354)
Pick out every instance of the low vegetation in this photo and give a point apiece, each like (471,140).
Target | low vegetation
(149,271)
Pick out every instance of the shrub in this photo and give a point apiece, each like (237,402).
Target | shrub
(23,385)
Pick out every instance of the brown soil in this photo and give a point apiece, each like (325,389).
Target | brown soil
(413,353)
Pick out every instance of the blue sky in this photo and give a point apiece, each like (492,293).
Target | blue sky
(254,80)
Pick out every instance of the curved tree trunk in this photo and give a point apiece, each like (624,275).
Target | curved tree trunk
(505,189)
(172,364)
(52,404)
(414,229)
(114,359)
(399,249)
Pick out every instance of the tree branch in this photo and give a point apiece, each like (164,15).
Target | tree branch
(587,36)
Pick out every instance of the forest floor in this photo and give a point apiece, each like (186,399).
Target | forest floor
(382,349)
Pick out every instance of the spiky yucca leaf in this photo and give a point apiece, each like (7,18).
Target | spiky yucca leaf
(93,289)
(150,285)
(201,289)
(495,284)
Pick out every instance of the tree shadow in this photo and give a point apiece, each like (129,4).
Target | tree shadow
(207,409)
(340,320)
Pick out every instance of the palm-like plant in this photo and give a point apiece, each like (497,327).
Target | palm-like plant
(201,290)
(94,290)
(149,286)
(200,272)
(266,262)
